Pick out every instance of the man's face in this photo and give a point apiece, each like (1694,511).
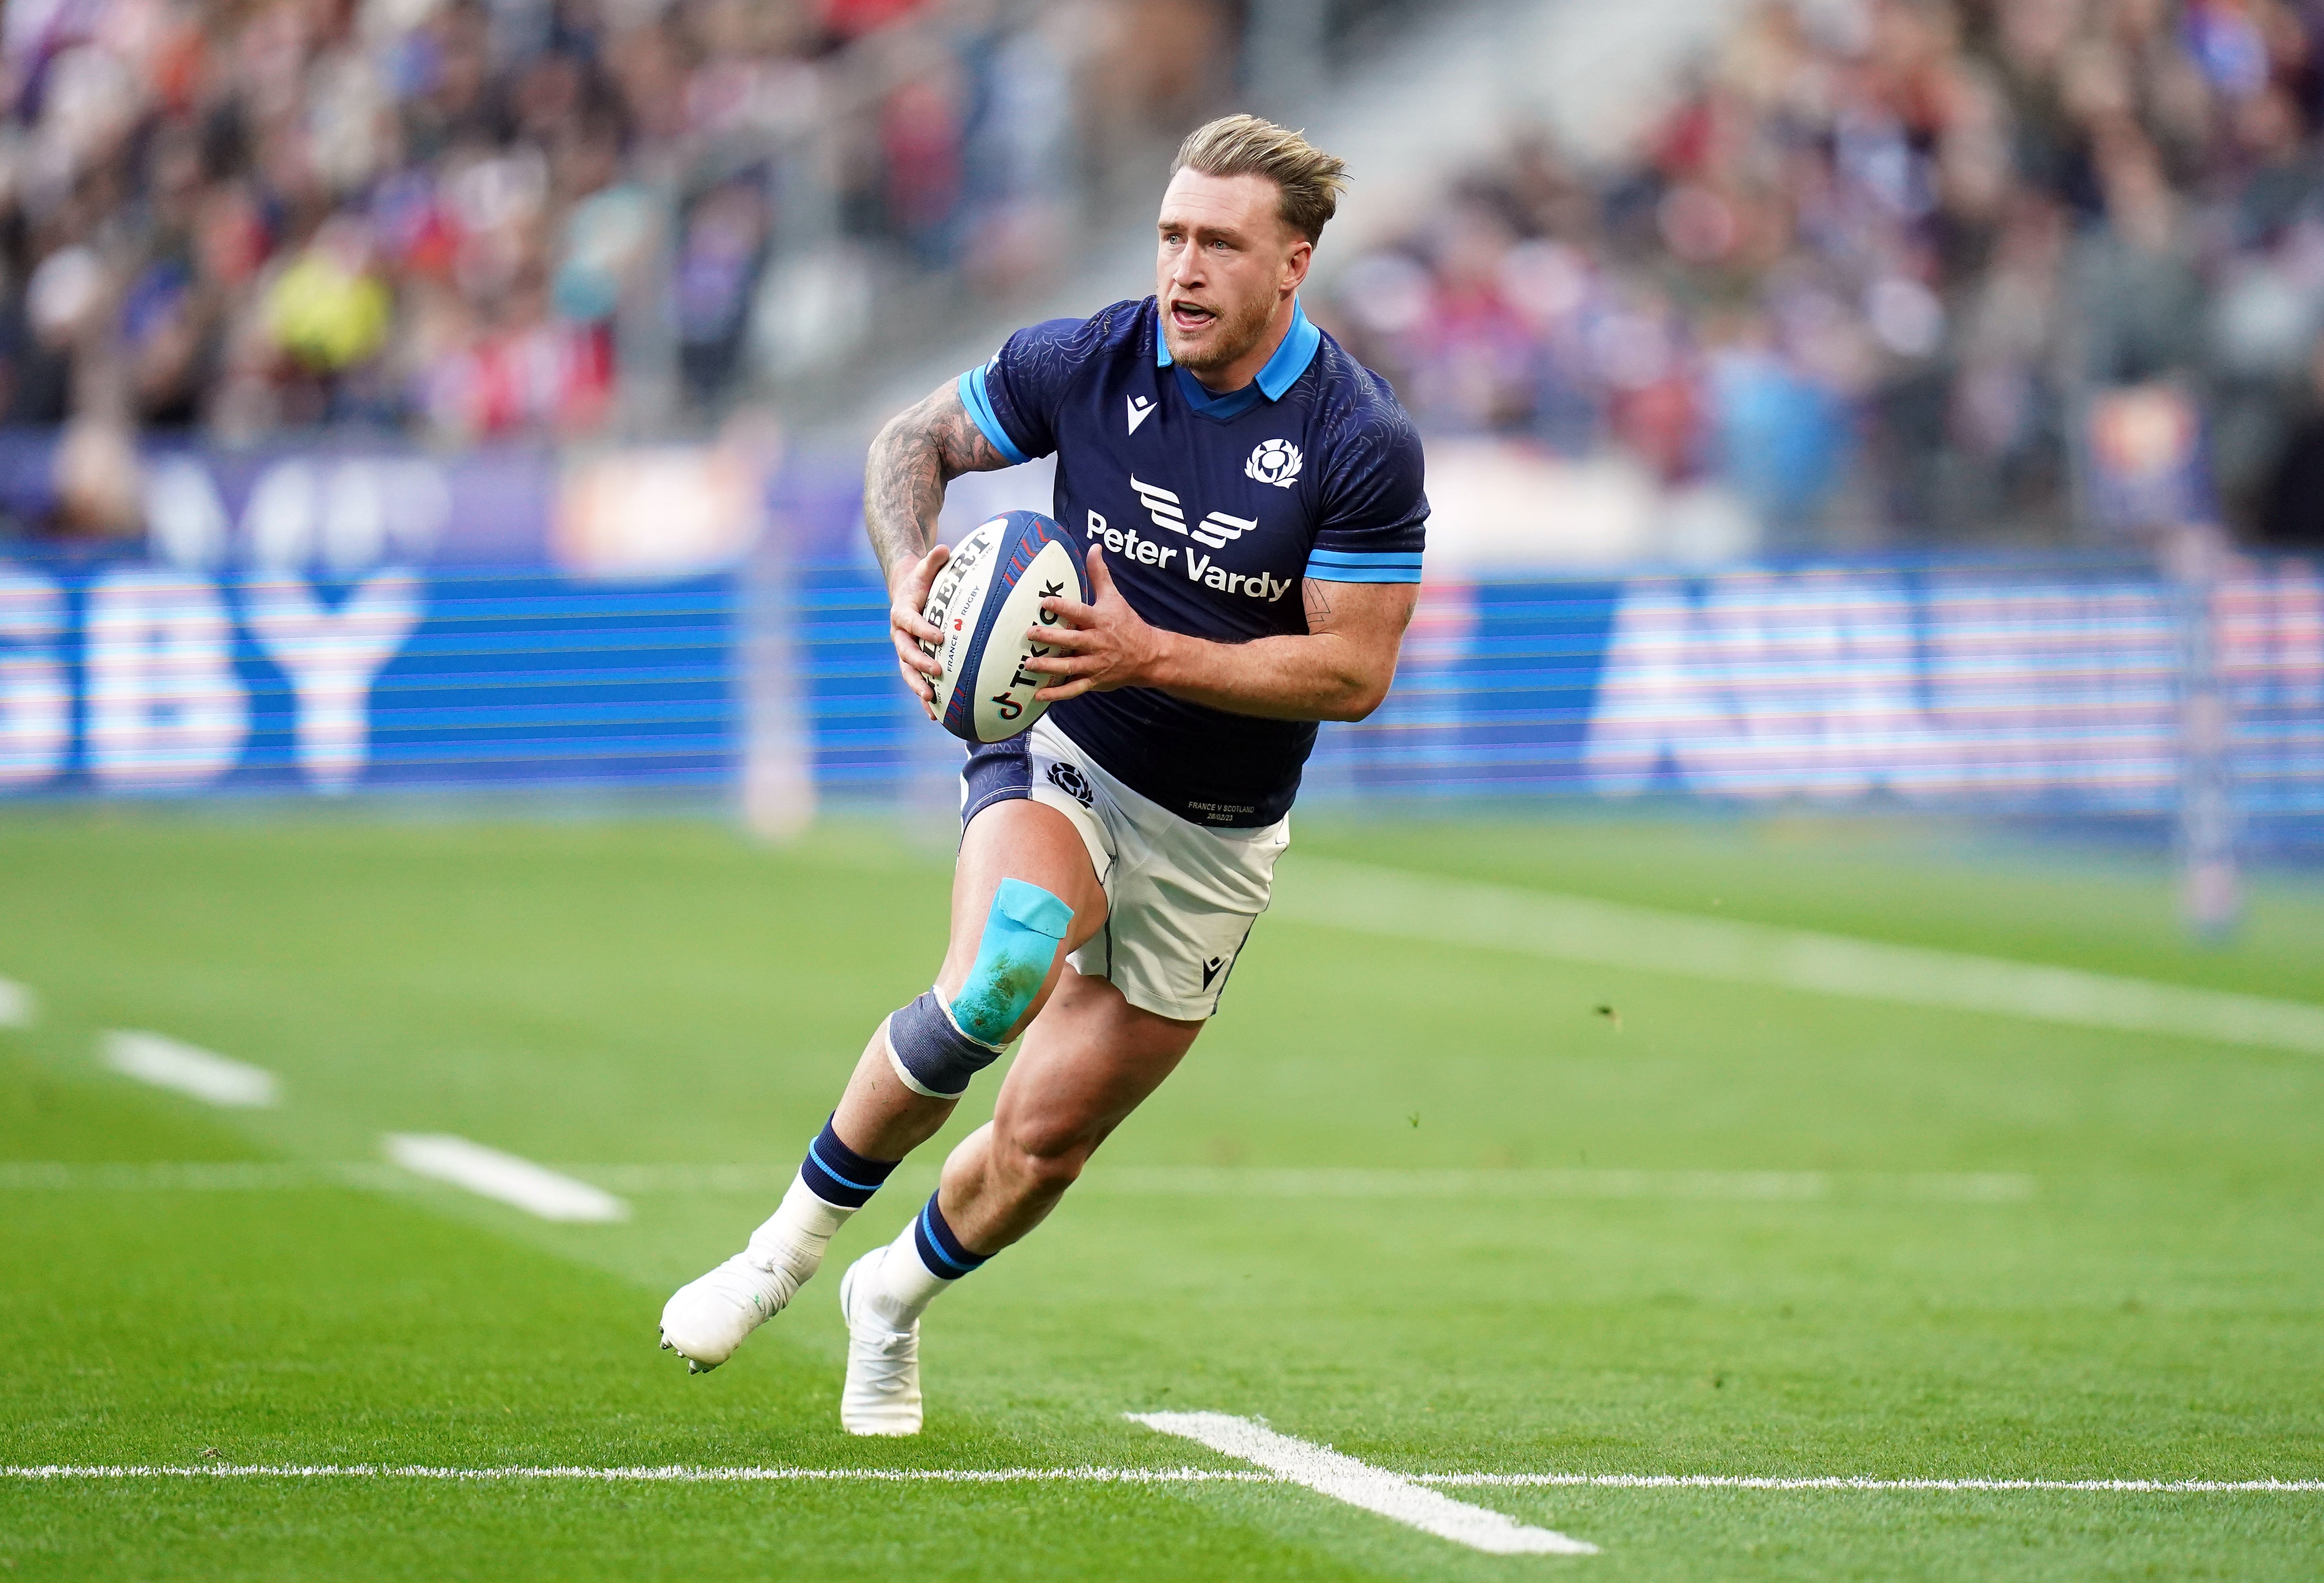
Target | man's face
(1226,262)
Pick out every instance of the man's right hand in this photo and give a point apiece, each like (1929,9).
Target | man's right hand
(908,581)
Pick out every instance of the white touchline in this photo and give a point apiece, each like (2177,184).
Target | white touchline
(680,1474)
(1237,1181)
(1519,1182)
(670,1475)
(1832,1482)
(535,1189)
(196,1176)
(158,1176)
(1398,1182)
(1408,906)
(170,1065)
(1375,1489)
(17,1005)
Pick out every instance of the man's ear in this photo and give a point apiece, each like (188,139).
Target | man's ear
(1295,265)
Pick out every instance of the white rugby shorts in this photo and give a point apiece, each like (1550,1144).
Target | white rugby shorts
(1181,897)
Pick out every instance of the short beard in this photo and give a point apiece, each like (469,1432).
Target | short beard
(1240,336)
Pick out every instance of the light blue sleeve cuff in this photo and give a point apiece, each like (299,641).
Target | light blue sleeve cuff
(1341,565)
(980,407)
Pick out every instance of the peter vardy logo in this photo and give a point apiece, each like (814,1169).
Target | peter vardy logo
(1140,409)
(1217,530)
(1275,461)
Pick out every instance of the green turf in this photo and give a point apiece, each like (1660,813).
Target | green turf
(662,992)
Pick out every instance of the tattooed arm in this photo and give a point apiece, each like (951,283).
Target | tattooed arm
(923,448)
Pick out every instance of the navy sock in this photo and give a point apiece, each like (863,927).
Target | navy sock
(840,1176)
(940,1250)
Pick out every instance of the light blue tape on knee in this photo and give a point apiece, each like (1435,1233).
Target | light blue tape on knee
(1012,961)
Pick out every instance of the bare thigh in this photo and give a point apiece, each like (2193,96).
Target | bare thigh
(1020,839)
(1024,839)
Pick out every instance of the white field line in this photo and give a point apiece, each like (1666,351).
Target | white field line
(534,1189)
(696,1475)
(1966,1486)
(18,1009)
(670,1475)
(166,1177)
(1236,1182)
(1359,1484)
(1404,905)
(769,1176)
(167,1063)
(1527,1183)
(1338,1182)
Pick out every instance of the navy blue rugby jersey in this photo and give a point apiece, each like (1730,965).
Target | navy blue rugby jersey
(1211,510)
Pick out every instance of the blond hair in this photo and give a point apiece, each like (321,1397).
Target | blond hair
(1308,180)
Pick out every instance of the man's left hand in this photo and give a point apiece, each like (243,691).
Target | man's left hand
(1097,647)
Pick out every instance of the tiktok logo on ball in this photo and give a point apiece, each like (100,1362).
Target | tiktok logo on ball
(1275,461)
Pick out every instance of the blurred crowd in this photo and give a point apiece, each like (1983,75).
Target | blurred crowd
(476,218)
(1883,259)
(1875,272)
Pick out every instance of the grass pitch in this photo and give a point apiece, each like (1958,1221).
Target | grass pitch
(608,997)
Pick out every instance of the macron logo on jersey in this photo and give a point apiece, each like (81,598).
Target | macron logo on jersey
(1140,409)
(1217,530)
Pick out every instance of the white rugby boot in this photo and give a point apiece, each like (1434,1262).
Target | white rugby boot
(882,1393)
(706,1318)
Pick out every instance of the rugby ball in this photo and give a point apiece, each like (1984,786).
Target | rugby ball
(984,598)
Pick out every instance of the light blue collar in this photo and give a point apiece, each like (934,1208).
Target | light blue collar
(1283,370)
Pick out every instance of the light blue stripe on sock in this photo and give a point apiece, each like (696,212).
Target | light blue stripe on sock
(928,1239)
(825,1166)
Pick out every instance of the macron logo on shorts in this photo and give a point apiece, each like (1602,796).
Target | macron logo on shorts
(1211,970)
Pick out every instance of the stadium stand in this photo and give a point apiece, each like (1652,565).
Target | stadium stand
(1872,275)
(543,217)
(1864,281)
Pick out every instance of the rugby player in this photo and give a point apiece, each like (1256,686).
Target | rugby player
(1249,501)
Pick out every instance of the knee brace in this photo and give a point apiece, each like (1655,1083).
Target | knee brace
(937,1048)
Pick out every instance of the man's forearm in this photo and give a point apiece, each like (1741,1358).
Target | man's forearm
(903,492)
(1322,677)
(1339,669)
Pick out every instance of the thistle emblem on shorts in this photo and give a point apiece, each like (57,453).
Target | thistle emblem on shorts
(1275,461)
(1067,779)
